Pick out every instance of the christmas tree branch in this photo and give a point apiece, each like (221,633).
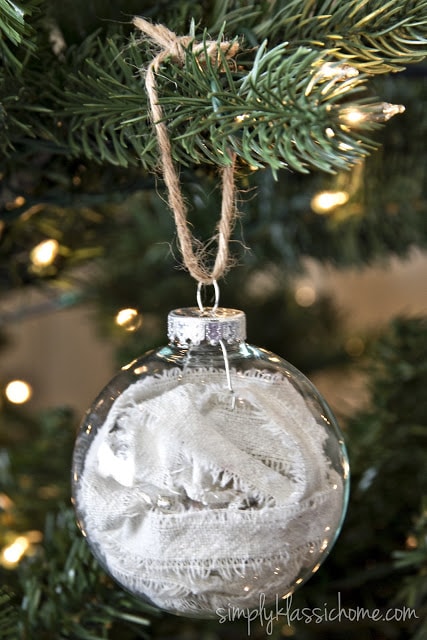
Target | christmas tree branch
(284,111)
(278,106)
(65,587)
(58,590)
(8,617)
(377,36)
(15,31)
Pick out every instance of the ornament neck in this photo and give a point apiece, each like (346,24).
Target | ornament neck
(212,326)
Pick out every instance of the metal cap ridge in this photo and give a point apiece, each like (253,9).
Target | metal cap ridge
(192,326)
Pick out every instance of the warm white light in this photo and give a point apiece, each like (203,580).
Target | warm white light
(12,554)
(242,117)
(387,110)
(305,296)
(325,201)
(344,146)
(339,72)
(44,253)
(331,72)
(128,319)
(353,116)
(19,201)
(376,112)
(411,542)
(5,502)
(18,391)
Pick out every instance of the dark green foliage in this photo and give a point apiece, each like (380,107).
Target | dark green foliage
(262,107)
(68,197)
(395,423)
(39,449)
(276,115)
(66,595)
(382,37)
(95,211)
(16,32)
(77,151)
(369,567)
(414,588)
(388,456)
(59,592)
(9,617)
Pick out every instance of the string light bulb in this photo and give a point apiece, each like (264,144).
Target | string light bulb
(242,117)
(128,319)
(12,554)
(411,542)
(44,253)
(19,201)
(325,201)
(377,112)
(18,391)
(24,544)
(353,116)
(338,72)
(331,72)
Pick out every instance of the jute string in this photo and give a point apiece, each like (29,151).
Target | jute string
(193,252)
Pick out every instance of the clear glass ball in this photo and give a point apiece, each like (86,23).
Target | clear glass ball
(210,473)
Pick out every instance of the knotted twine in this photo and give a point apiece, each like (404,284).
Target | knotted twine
(193,252)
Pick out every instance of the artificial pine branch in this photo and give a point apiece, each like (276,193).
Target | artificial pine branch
(279,113)
(8,617)
(12,23)
(377,36)
(413,559)
(64,588)
(86,207)
(15,31)
(97,95)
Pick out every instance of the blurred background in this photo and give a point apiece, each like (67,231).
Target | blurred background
(66,360)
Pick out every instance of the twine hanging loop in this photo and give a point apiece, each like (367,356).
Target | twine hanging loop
(193,251)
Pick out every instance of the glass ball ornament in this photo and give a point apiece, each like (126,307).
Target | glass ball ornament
(209,472)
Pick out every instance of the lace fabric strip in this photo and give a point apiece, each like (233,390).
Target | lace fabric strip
(193,504)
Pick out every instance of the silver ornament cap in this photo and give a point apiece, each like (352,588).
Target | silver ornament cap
(212,325)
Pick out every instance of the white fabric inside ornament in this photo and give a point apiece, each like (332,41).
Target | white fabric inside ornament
(196,504)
